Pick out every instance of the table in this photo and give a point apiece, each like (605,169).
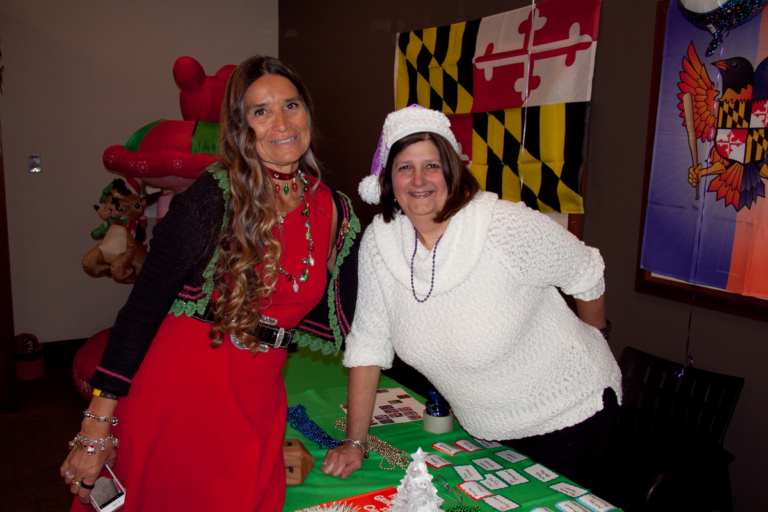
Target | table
(319,383)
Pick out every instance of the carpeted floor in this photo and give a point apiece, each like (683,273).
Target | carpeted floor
(33,441)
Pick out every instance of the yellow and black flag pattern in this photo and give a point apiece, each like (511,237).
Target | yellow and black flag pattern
(547,172)
(435,67)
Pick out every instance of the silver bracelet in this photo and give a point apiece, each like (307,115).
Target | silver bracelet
(605,331)
(354,442)
(101,419)
(81,442)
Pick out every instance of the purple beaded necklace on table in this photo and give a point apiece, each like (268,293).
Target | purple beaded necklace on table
(434,253)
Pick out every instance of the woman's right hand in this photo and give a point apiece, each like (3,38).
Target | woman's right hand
(342,461)
(83,468)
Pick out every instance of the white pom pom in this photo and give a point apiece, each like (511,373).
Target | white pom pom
(369,189)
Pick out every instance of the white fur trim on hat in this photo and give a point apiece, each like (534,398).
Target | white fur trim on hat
(399,124)
(410,120)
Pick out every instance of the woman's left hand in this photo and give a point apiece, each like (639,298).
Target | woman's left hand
(342,461)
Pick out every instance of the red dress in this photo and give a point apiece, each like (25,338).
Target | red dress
(202,427)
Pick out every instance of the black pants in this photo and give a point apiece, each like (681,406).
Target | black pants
(575,452)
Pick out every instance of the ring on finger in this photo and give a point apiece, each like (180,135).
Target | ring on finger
(75,482)
(323,463)
(67,474)
(86,486)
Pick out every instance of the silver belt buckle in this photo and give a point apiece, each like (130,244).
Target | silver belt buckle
(237,342)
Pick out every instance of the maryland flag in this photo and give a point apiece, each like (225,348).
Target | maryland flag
(517,87)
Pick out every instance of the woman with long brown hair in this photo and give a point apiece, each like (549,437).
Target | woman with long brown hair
(242,258)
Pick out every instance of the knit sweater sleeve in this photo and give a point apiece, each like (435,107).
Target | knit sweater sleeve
(179,241)
(368,341)
(543,253)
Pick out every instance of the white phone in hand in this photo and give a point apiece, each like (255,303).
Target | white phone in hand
(108,494)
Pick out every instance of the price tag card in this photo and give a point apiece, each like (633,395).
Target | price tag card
(468,473)
(467,445)
(568,489)
(541,473)
(447,448)
(493,482)
(487,464)
(436,461)
(500,503)
(510,456)
(487,444)
(571,506)
(474,490)
(596,504)
(512,477)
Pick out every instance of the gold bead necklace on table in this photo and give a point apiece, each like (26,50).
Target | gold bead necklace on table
(396,458)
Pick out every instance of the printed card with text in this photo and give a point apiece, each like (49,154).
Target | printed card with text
(447,448)
(500,503)
(468,473)
(467,445)
(436,461)
(595,503)
(541,473)
(474,490)
(571,506)
(568,489)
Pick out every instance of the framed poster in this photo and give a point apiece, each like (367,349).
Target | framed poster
(704,232)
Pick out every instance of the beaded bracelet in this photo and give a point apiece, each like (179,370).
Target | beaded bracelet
(395,457)
(101,419)
(81,442)
(300,421)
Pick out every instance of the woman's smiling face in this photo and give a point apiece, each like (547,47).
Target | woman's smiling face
(418,181)
(280,122)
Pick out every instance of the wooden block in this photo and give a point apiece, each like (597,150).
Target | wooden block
(298,461)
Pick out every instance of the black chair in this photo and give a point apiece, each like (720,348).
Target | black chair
(666,452)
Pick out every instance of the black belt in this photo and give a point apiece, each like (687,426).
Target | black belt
(275,337)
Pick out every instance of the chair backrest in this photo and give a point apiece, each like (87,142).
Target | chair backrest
(659,405)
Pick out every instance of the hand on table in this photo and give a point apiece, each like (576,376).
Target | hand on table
(342,461)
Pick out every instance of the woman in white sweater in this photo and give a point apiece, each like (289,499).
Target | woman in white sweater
(465,288)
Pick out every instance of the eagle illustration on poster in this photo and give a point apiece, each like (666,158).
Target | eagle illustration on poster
(736,120)
(706,215)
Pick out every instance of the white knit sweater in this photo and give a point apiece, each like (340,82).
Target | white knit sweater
(495,337)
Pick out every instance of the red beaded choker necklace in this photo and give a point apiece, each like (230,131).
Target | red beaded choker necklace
(284,177)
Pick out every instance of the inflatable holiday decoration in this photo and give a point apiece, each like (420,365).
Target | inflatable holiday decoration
(171,154)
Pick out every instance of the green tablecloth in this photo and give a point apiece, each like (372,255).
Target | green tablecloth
(319,383)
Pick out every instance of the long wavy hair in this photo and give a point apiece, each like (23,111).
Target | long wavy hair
(247,243)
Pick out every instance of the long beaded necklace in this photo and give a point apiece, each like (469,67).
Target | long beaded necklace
(309,261)
(434,253)
(300,420)
(395,457)
(286,178)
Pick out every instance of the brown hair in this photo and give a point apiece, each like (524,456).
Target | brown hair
(462,186)
(247,242)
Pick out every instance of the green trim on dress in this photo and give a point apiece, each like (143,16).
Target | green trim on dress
(190,307)
(314,342)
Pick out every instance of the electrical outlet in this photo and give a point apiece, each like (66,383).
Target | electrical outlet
(33,163)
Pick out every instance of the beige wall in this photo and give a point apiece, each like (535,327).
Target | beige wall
(350,69)
(80,76)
